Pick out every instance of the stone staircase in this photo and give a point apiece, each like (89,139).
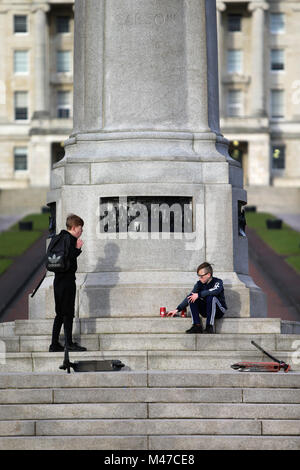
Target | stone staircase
(150,410)
(176,391)
(149,343)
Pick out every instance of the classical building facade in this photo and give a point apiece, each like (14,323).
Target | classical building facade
(259,65)
(36,87)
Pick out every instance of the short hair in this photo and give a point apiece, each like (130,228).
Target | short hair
(74,221)
(207,266)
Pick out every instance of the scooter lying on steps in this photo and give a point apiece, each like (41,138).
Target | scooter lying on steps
(250,366)
(90,366)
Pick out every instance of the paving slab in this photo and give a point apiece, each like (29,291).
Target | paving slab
(70,411)
(147,427)
(74,443)
(223,443)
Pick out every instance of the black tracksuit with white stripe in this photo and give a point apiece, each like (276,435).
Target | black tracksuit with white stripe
(211,301)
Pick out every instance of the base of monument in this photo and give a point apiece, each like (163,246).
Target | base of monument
(141,294)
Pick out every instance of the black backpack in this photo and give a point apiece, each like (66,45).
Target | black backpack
(57,257)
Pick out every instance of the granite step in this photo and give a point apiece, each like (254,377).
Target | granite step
(13,331)
(153,379)
(145,395)
(158,341)
(183,442)
(142,325)
(141,360)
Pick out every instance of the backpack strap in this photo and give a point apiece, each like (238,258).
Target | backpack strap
(67,242)
(54,241)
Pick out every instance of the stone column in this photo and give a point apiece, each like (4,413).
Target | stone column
(258,57)
(3,48)
(41,86)
(146,139)
(221,7)
(132,61)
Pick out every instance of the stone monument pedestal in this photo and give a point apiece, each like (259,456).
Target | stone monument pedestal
(146,166)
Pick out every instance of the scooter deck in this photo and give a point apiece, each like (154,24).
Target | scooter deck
(245,366)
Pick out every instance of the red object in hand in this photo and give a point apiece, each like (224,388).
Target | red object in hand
(183,312)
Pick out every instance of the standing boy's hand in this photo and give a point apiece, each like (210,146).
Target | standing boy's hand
(79,243)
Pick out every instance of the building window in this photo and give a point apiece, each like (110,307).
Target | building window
(235,103)
(20,158)
(277,23)
(20,24)
(21,105)
(63,61)
(278,157)
(234,22)
(63,104)
(21,62)
(277,103)
(277,59)
(235,150)
(62,24)
(234,61)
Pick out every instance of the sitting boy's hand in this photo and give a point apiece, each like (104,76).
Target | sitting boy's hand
(192,297)
(172,313)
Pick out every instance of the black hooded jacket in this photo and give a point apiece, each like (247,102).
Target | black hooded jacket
(73,255)
(213,287)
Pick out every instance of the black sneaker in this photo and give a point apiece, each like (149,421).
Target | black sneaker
(56,347)
(209,329)
(75,347)
(195,329)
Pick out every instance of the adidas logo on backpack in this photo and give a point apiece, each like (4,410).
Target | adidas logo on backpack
(57,258)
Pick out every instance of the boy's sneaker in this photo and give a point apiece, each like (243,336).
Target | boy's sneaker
(75,347)
(209,329)
(56,348)
(195,329)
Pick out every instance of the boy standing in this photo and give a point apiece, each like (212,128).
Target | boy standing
(65,287)
(207,299)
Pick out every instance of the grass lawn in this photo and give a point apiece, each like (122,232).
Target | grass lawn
(294,261)
(284,241)
(14,242)
(40,222)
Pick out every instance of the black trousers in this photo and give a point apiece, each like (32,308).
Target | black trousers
(209,307)
(64,296)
